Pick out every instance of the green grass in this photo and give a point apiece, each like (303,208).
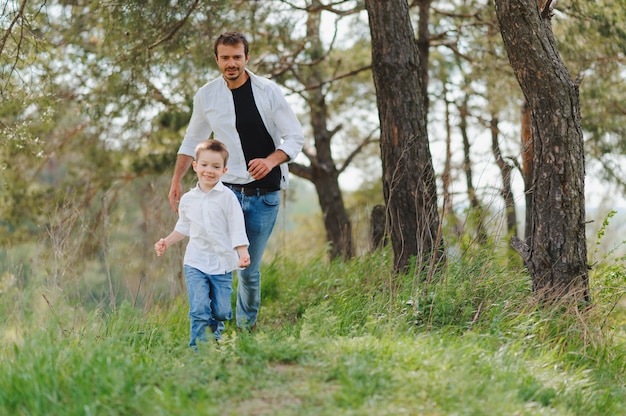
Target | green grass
(334,339)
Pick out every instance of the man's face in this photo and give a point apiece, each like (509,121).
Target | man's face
(231,60)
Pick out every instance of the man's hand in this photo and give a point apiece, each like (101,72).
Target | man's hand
(174,195)
(259,168)
(183,162)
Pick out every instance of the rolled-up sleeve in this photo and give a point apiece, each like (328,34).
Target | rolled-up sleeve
(236,223)
(287,124)
(183,224)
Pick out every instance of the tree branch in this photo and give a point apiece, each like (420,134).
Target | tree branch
(327,7)
(356,151)
(18,16)
(547,8)
(301,171)
(336,78)
(522,249)
(176,27)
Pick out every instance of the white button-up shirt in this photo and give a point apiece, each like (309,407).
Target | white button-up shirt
(214,223)
(214,112)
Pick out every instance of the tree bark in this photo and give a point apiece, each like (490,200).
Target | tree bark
(408,176)
(423,44)
(527,167)
(446,175)
(476,208)
(378,227)
(556,255)
(505,172)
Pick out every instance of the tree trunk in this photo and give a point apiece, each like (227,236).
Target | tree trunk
(336,219)
(423,44)
(323,172)
(505,172)
(408,176)
(378,227)
(477,210)
(556,255)
(527,167)
(446,175)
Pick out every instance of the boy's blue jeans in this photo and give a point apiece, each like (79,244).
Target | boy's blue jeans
(260,212)
(209,303)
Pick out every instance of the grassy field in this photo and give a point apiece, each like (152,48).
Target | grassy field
(334,339)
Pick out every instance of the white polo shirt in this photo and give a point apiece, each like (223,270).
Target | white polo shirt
(214,223)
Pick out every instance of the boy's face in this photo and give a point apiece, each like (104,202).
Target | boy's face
(209,167)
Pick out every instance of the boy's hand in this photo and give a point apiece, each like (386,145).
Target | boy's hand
(244,258)
(160,247)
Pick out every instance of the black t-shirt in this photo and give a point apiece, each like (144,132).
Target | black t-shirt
(255,139)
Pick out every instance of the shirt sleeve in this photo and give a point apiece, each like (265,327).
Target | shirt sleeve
(198,129)
(236,223)
(286,123)
(183,224)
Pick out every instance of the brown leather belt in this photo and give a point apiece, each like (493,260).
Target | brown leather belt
(250,191)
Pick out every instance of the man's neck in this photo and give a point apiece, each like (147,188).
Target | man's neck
(236,83)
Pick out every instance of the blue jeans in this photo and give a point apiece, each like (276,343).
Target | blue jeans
(260,212)
(209,303)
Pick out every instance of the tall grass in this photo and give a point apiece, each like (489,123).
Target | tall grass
(335,338)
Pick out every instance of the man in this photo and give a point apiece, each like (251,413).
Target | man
(250,115)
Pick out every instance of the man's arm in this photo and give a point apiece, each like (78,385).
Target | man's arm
(259,168)
(183,162)
(287,125)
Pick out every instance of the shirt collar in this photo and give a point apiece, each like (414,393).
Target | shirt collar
(219,187)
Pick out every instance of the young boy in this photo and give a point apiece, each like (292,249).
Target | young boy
(211,216)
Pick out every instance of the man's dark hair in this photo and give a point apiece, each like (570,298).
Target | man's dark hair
(231,39)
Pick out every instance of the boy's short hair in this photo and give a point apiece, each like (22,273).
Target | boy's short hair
(231,39)
(214,146)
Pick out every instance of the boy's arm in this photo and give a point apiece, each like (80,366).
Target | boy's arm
(161,246)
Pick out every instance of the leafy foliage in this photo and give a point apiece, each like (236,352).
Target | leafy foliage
(593,43)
